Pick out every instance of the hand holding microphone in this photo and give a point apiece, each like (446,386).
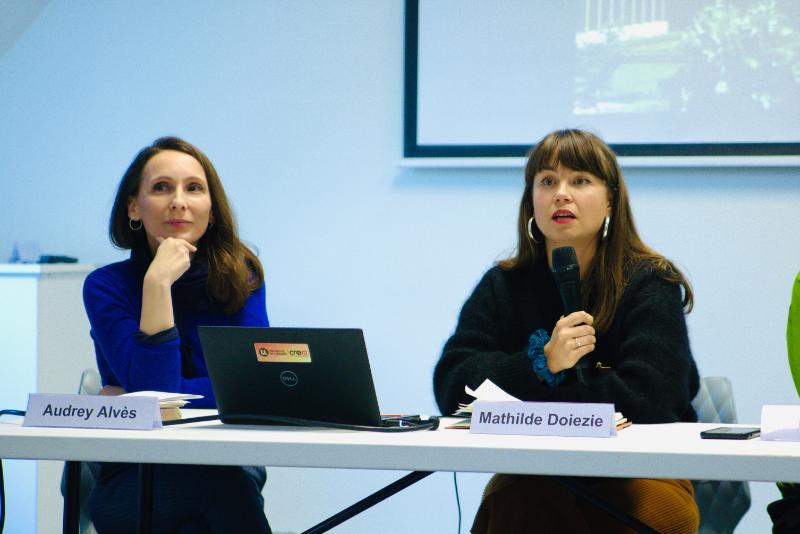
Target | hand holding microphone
(572,339)
(573,336)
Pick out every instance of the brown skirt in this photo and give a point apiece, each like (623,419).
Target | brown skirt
(521,504)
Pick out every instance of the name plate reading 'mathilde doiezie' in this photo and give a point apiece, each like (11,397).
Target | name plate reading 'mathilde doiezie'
(543,419)
(92,411)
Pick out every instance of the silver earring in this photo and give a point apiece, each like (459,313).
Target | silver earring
(135,228)
(530,231)
(605,226)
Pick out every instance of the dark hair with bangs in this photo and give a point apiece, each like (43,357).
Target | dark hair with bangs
(605,280)
(234,271)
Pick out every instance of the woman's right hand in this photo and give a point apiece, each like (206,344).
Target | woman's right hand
(171,260)
(572,339)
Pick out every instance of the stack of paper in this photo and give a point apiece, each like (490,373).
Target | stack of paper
(487,391)
(621,421)
(169,403)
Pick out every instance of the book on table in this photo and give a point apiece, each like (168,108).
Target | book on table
(170,404)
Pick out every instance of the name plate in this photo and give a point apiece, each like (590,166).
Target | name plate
(92,411)
(543,419)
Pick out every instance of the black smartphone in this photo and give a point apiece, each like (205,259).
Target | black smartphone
(731,432)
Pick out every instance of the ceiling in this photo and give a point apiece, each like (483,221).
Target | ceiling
(16,16)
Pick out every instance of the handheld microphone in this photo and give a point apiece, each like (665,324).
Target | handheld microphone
(567,273)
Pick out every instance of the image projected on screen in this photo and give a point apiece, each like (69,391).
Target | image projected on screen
(637,72)
(650,57)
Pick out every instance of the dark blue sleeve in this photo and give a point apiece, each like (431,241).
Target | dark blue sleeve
(254,312)
(136,362)
(113,305)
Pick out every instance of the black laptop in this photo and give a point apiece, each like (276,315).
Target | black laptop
(319,374)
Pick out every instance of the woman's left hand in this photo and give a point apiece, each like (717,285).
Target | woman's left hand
(572,339)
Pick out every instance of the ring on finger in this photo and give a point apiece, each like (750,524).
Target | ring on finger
(577,343)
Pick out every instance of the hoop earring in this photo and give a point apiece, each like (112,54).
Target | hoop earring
(135,228)
(605,226)
(530,232)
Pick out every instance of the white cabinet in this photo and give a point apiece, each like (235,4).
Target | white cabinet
(44,346)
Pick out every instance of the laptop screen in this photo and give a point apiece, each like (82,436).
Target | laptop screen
(320,374)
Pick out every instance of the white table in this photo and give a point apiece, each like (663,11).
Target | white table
(652,451)
(655,451)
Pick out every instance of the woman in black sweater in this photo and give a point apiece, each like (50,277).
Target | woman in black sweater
(513,331)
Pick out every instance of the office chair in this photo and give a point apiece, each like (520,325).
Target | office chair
(722,503)
(90,384)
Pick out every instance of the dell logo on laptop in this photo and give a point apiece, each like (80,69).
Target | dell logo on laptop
(290,379)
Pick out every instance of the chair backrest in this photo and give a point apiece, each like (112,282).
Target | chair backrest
(714,401)
(722,503)
(90,382)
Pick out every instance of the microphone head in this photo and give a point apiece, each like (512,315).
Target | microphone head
(567,275)
(565,261)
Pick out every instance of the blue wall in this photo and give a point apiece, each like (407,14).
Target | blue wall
(299,104)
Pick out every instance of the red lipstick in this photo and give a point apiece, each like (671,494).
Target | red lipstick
(563,216)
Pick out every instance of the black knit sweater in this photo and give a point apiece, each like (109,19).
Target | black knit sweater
(647,367)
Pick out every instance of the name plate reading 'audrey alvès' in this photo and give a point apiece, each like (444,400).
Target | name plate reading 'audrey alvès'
(544,419)
(92,411)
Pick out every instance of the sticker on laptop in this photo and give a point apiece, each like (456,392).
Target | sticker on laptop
(283,352)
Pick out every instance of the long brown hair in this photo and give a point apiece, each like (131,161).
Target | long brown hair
(234,271)
(607,275)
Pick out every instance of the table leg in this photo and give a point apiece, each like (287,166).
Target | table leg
(145,498)
(71,518)
(368,502)
(588,495)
